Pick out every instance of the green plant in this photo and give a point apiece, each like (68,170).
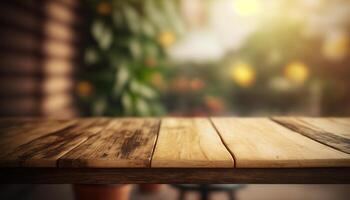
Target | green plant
(125,56)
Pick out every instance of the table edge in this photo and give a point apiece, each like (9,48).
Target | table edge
(174,175)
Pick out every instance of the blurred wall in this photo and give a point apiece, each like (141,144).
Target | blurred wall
(39,45)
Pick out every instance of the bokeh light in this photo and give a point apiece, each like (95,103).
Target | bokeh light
(243,74)
(296,72)
(247,7)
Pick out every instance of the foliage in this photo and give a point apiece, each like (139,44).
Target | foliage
(125,52)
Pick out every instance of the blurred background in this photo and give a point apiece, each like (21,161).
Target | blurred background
(65,58)
(70,58)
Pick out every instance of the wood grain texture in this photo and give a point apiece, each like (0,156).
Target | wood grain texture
(174,175)
(260,142)
(16,132)
(126,142)
(333,132)
(341,120)
(45,150)
(190,142)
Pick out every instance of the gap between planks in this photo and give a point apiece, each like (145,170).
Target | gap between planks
(155,143)
(304,132)
(202,147)
(160,121)
(223,142)
(240,134)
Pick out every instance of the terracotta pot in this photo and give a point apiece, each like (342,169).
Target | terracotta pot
(102,192)
(149,188)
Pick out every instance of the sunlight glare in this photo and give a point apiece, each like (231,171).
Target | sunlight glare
(247,7)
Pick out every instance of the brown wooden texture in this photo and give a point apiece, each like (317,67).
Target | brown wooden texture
(174,175)
(190,142)
(17,132)
(260,142)
(126,142)
(39,51)
(188,150)
(45,150)
(334,132)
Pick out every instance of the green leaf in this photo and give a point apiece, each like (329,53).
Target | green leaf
(127,103)
(102,34)
(99,106)
(117,18)
(122,77)
(91,56)
(151,50)
(97,28)
(106,40)
(132,19)
(158,109)
(134,86)
(147,92)
(142,107)
(135,48)
(142,90)
(153,13)
(148,29)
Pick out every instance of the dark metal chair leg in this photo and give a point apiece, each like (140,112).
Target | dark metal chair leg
(204,195)
(231,195)
(205,190)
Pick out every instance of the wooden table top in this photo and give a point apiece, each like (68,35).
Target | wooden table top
(173,150)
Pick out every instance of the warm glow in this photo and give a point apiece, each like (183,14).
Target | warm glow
(243,74)
(84,89)
(297,72)
(104,8)
(336,46)
(247,7)
(166,38)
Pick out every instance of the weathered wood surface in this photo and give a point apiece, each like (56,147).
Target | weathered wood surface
(334,132)
(175,150)
(124,142)
(182,142)
(260,142)
(185,142)
(16,132)
(45,150)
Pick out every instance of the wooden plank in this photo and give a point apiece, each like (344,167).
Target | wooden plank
(260,142)
(56,49)
(44,151)
(190,142)
(333,132)
(174,175)
(58,67)
(12,122)
(13,126)
(20,64)
(126,142)
(337,126)
(16,132)
(31,64)
(31,85)
(25,19)
(55,102)
(19,85)
(24,106)
(59,31)
(19,40)
(58,11)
